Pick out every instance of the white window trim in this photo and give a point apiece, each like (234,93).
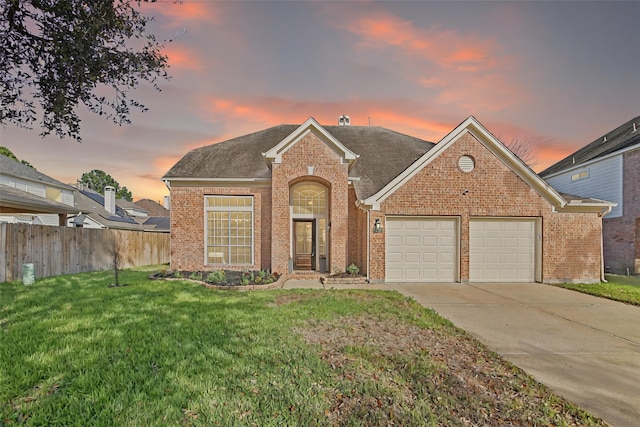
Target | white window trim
(579,176)
(208,209)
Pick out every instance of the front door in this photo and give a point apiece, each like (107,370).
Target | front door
(304,251)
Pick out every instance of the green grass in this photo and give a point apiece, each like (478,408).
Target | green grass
(76,352)
(619,288)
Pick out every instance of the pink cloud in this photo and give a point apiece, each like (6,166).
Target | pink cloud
(464,72)
(179,13)
(398,115)
(445,48)
(183,58)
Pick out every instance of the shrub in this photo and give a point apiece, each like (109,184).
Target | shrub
(353,269)
(217,277)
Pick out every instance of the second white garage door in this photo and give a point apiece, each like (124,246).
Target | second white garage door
(502,250)
(421,249)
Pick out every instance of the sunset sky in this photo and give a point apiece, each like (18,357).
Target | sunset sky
(559,74)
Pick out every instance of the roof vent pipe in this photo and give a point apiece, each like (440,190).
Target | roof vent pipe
(344,120)
(634,127)
(604,139)
(110,199)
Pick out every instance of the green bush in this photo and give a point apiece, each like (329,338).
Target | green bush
(217,277)
(353,269)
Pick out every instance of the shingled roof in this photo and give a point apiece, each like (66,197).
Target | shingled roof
(621,138)
(17,169)
(384,154)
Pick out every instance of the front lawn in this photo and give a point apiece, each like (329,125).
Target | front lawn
(74,351)
(619,288)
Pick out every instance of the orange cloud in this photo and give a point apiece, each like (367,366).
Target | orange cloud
(181,57)
(546,150)
(164,163)
(179,13)
(399,115)
(446,48)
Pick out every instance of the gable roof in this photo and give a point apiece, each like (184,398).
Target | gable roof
(311,125)
(153,208)
(385,160)
(241,159)
(91,204)
(486,138)
(158,223)
(622,138)
(11,167)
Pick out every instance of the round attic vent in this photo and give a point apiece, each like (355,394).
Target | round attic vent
(466,163)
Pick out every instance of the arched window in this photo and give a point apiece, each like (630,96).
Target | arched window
(309,198)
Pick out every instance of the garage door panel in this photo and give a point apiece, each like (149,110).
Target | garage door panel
(412,257)
(394,257)
(431,241)
(412,226)
(447,258)
(428,249)
(448,241)
(502,250)
(428,257)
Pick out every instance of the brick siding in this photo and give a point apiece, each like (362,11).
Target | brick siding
(327,170)
(571,242)
(188,222)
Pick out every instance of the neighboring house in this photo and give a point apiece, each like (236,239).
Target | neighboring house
(609,169)
(97,211)
(158,219)
(29,196)
(153,208)
(311,197)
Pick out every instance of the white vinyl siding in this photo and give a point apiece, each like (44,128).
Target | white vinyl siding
(67,197)
(49,219)
(421,249)
(603,181)
(502,250)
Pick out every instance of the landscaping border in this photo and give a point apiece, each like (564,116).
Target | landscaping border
(277,284)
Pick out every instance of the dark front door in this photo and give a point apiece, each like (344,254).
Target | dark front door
(304,247)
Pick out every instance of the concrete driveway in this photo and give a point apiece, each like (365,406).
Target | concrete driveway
(586,349)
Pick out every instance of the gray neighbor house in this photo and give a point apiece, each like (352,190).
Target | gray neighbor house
(609,169)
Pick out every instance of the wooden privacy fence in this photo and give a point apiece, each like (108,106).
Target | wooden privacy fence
(65,250)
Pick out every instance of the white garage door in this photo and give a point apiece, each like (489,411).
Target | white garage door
(421,249)
(502,250)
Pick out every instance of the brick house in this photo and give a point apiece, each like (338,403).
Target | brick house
(313,197)
(609,168)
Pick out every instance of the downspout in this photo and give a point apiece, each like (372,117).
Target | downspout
(368,246)
(605,212)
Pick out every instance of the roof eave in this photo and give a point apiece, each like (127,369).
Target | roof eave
(274,155)
(478,131)
(591,161)
(602,208)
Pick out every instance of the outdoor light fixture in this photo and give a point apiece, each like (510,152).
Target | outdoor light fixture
(377,226)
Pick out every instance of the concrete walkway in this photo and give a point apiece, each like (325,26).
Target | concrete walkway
(585,348)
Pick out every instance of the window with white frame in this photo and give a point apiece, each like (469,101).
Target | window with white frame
(309,198)
(229,230)
(580,175)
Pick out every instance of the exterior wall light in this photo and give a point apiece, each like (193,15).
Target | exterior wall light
(377,226)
